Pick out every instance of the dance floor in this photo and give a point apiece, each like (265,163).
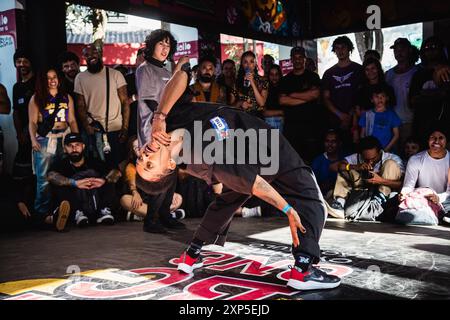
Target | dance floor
(375,261)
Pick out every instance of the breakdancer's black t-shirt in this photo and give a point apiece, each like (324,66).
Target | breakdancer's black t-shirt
(238,169)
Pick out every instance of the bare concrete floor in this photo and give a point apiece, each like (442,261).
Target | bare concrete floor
(375,261)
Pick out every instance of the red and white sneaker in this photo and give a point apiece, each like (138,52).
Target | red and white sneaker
(313,279)
(188,264)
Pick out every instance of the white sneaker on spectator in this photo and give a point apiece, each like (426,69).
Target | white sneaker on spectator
(251,212)
(80,219)
(105,216)
(178,214)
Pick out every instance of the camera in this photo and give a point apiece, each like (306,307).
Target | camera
(365,174)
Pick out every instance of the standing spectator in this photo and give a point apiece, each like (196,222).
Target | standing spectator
(23,90)
(267,62)
(5,108)
(52,115)
(373,78)
(273,112)
(151,77)
(310,65)
(133,94)
(94,106)
(381,122)
(87,184)
(321,165)
(425,95)
(70,66)
(250,93)
(373,54)
(205,88)
(299,95)
(227,78)
(340,86)
(399,77)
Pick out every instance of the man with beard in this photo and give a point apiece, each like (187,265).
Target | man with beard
(23,90)
(86,184)
(70,67)
(205,88)
(104,118)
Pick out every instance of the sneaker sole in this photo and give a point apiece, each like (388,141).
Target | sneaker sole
(63,215)
(189,269)
(83,223)
(335,213)
(109,220)
(311,285)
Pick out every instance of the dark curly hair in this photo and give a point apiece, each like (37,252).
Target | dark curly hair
(68,56)
(156,187)
(156,36)
(345,41)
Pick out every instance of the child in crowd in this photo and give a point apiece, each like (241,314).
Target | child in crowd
(381,122)
(412,147)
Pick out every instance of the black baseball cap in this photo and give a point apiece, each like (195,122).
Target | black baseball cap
(401,42)
(299,50)
(73,137)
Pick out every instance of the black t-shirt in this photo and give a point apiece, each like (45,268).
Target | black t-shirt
(305,113)
(22,93)
(235,176)
(272,102)
(90,169)
(364,96)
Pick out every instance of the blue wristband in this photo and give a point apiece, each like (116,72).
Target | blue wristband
(286,208)
(73,183)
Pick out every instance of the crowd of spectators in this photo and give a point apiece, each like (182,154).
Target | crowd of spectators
(376,141)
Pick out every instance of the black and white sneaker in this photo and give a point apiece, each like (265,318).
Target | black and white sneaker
(105,217)
(178,214)
(172,223)
(187,264)
(80,219)
(446,218)
(313,279)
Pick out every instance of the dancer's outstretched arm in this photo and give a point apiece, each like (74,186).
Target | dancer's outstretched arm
(263,190)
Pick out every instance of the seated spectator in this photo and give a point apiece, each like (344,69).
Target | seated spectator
(51,114)
(205,88)
(266,63)
(273,113)
(250,92)
(326,177)
(430,169)
(412,147)
(134,201)
(370,168)
(86,184)
(381,122)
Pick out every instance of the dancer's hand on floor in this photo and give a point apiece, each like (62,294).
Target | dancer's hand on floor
(294,223)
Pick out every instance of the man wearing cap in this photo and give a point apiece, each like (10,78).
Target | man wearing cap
(86,184)
(23,90)
(299,94)
(399,78)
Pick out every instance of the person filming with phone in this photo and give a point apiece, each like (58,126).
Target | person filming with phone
(370,169)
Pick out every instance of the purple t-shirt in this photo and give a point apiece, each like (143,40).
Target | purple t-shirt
(343,84)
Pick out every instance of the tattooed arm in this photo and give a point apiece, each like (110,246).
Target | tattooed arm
(263,190)
(58,179)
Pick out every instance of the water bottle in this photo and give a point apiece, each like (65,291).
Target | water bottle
(106,145)
(247,82)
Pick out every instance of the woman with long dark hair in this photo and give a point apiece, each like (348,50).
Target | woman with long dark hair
(273,113)
(52,116)
(251,91)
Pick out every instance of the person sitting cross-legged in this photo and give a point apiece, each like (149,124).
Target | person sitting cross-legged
(87,185)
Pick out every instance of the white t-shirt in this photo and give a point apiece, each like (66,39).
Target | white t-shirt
(401,83)
(93,87)
(355,159)
(424,171)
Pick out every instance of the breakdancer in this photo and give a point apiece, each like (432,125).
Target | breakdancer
(292,188)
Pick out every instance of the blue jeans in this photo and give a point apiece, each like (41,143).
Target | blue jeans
(42,160)
(275,122)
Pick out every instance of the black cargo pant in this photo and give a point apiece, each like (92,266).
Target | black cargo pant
(158,206)
(301,191)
